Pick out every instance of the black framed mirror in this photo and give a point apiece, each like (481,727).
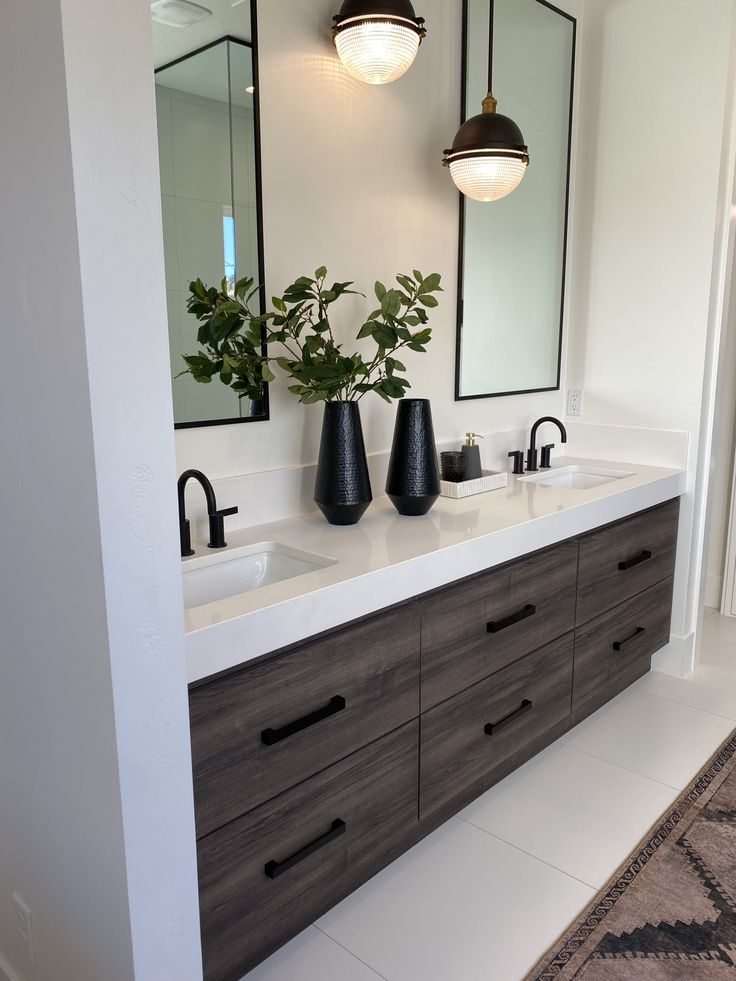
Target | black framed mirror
(513,252)
(209,152)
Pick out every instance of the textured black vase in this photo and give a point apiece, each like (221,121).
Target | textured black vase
(343,488)
(413,481)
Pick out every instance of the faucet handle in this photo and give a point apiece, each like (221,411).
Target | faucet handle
(518,456)
(546,456)
(217,527)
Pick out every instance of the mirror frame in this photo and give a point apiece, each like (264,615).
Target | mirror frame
(253,45)
(461,238)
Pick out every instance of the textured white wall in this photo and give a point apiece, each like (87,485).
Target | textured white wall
(95,773)
(352,178)
(647,204)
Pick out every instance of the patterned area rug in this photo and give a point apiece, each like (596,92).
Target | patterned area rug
(669,913)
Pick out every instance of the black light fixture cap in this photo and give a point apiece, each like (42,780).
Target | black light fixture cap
(488,131)
(378,8)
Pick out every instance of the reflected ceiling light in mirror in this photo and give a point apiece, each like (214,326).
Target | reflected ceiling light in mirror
(377,40)
(488,158)
(178,13)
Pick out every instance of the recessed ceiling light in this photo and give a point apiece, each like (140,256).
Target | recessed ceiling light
(178,13)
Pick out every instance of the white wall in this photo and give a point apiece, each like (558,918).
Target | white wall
(95,774)
(352,178)
(655,77)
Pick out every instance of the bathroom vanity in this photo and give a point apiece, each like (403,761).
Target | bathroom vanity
(317,764)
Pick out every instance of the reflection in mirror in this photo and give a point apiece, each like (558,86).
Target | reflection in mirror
(513,251)
(208,149)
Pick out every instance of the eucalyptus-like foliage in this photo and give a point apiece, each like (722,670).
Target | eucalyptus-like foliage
(299,324)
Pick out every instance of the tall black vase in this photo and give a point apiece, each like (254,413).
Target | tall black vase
(413,481)
(343,488)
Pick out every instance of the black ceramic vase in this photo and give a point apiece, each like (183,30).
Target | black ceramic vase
(413,481)
(343,488)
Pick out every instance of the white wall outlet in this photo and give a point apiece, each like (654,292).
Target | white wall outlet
(574,401)
(24,926)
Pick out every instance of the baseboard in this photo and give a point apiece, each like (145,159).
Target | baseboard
(677,659)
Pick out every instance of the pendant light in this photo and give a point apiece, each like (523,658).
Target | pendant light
(377,40)
(488,158)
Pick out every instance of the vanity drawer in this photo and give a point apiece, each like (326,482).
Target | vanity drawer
(270,874)
(621,560)
(261,730)
(616,648)
(478,627)
(476,738)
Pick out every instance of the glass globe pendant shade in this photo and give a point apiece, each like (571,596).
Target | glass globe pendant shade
(378,41)
(488,158)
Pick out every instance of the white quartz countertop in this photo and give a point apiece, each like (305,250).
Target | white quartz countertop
(387,558)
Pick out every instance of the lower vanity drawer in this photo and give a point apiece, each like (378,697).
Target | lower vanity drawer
(259,731)
(473,740)
(616,648)
(270,874)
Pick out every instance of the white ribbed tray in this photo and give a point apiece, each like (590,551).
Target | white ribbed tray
(491,480)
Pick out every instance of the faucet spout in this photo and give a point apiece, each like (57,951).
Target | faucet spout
(531,458)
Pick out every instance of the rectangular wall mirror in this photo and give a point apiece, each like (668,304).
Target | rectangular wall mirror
(513,251)
(207,111)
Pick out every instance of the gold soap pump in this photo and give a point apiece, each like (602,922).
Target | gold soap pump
(471,452)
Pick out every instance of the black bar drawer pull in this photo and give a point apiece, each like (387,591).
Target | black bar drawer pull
(274,869)
(272,736)
(644,556)
(495,626)
(526,706)
(619,644)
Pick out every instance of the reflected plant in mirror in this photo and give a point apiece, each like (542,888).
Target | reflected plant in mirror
(230,333)
(513,252)
(207,112)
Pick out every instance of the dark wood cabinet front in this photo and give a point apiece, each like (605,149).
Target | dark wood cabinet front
(479,626)
(316,766)
(268,875)
(474,739)
(259,731)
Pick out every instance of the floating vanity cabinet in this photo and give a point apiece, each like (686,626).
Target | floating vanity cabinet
(485,623)
(317,765)
(268,875)
(262,729)
(475,738)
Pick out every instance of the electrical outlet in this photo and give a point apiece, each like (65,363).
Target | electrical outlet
(574,401)
(24,926)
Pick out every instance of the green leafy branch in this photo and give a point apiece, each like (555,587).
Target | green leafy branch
(300,323)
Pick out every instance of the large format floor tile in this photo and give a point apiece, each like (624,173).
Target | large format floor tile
(573,811)
(656,737)
(711,688)
(460,906)
(719,636)
(312,956)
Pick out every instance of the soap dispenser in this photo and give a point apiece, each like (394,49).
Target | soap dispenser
(471,452)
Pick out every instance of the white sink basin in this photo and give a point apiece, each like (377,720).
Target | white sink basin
(240,570)
(575,477)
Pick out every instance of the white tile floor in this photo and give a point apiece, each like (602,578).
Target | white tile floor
(486,894)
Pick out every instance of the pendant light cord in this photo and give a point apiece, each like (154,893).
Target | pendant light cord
(491,14)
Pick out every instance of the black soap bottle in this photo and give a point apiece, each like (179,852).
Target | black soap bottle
(471,452)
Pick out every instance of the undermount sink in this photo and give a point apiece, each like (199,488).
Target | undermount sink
(575,477)
(208,578)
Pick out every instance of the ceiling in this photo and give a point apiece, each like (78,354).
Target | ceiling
(228,17)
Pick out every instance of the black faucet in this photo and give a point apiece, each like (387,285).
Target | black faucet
(531,456)
(217,522)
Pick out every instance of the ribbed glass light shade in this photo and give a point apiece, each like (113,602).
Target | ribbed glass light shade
(488,178)
(377,50)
